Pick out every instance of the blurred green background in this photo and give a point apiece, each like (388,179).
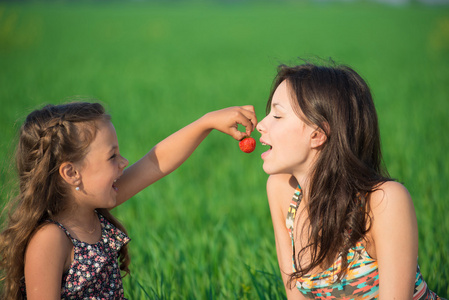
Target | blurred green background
(204,232)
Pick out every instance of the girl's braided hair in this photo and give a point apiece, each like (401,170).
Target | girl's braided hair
(48,137)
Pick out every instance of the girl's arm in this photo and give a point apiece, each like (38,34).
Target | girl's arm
(46,255)
(170,153)
(280,192)
(395,235)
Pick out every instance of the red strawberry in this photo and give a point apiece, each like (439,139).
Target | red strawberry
(247,145)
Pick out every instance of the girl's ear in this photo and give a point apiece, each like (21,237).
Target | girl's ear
(69,173)
(318,138)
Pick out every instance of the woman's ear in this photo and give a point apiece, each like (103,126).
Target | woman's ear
(318,138)
(69,173)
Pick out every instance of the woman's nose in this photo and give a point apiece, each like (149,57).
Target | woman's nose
(260,126)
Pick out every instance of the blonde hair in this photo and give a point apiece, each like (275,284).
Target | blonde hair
(48,137)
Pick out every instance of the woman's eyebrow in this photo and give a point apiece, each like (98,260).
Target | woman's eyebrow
(276,104)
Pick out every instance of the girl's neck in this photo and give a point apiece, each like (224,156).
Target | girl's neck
(82,222)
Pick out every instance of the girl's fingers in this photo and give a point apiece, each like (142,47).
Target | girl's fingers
(250,120)
(227,120)
(236,134)
(248,107)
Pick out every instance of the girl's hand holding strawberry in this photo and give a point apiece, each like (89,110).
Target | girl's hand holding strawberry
(227,120)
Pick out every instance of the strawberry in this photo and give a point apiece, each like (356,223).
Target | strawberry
(247,145)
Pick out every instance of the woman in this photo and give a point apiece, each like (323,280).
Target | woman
(350,231)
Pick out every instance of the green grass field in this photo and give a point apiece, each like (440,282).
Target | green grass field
(204,232)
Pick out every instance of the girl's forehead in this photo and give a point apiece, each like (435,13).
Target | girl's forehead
(105,133)
(105,126)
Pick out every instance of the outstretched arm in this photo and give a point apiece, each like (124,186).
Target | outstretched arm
(170,153)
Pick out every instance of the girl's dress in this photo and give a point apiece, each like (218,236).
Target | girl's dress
(95,272)
(361,280)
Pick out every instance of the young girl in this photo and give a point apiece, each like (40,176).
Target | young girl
(61,240)
(343,228)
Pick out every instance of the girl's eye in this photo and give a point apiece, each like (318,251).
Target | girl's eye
(276,117)
(113,156)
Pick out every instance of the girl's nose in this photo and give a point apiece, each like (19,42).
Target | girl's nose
(124,163)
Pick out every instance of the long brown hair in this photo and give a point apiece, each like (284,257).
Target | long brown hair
(349,166)
(48,137)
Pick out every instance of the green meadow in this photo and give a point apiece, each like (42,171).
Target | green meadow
(204,231)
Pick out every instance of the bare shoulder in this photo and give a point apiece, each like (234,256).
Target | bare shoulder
(48,242)
(281,182)
(280,186)
(393,218)
(47,256)
(50,233)
(390,197)
(280,189)
(394,237)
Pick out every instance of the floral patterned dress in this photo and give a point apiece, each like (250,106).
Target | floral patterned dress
(95,272)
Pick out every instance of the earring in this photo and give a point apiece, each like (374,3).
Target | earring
(77,188)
